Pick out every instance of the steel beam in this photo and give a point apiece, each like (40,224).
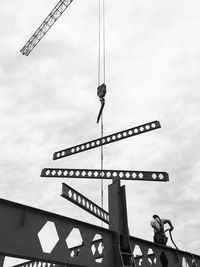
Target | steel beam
(22,232)
(37,264)
(75,197)
(147,253)
(20,225)
(106,174)
(117,208)
(107,139)
(150,254)
(119,223)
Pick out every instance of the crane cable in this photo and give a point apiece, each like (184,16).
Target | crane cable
(101,73)
(101,44)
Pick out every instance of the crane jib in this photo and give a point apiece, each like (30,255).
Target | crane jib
(45,26)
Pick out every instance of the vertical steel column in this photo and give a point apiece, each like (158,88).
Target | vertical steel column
(118,222)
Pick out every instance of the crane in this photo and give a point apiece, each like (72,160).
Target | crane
(61,6)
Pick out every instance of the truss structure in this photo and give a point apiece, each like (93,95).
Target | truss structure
(45,26)
(22,228)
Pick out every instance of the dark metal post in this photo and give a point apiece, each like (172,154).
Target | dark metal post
(117,208)
(118,222)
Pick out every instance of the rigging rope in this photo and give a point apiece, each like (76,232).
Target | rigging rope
(101,44)
(101,72)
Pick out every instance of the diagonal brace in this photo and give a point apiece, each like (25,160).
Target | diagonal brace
(37,264)
(84,203)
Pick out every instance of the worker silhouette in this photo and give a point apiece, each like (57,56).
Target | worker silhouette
(159,232)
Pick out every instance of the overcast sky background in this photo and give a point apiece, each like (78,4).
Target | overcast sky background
(48,102)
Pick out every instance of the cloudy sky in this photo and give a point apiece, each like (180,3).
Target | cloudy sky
(48,102)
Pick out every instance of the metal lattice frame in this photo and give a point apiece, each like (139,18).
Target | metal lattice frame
(21,224)
(107,139)
(21,227)
(45,26)
(106,174)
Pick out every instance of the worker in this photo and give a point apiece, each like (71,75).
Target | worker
(159,232)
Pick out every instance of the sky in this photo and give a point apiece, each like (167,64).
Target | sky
(48,102)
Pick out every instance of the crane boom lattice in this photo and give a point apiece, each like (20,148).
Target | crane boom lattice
(45,26)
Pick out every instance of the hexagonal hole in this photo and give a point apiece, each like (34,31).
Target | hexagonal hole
(151,257)
(93,248)
(97,248)
(137,253)
(48,237)
(74,242)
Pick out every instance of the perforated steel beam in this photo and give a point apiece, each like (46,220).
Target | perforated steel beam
(25,234)
(151,254)
(20,224)
(106,174)
(37,264)
(45,26)
(107,139)
(84,203)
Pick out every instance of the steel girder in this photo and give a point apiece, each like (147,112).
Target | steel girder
(22,232)
(78,199)
(20,225)
(107,139)
(37,264)
(127,175)
(147,253)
